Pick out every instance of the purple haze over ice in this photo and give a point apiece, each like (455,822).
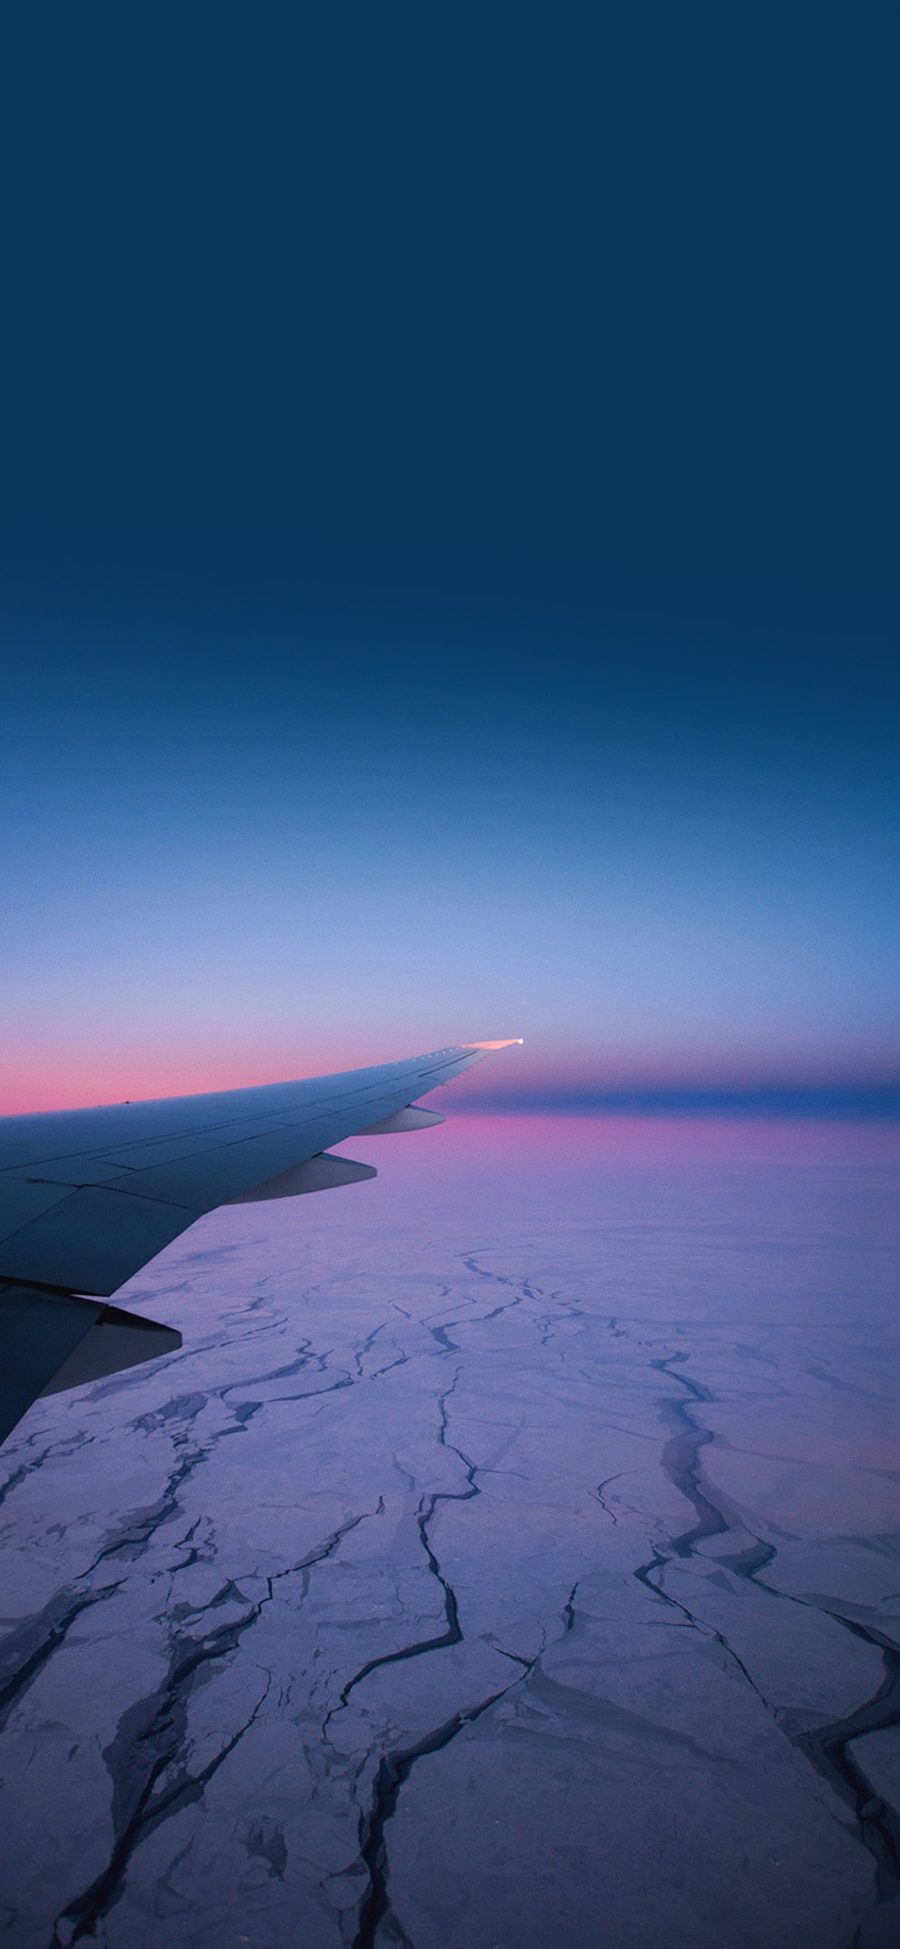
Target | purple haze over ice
(510,1557)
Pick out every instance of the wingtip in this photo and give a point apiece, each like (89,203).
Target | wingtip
(512,1042)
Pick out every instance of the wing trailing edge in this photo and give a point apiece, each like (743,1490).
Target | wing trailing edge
(87,1197)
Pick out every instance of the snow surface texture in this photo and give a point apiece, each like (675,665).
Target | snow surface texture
(504,1562)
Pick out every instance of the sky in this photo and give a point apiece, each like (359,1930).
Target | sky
(448,582)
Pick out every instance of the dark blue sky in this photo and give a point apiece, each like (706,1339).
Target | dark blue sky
(449,477)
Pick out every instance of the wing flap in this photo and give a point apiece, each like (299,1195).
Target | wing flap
(116,1341)
(411,1118)
(322,1173)
(54,1340)
(38,1332)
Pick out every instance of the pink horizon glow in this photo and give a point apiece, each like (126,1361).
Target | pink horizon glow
(88,1080)
(71,1078)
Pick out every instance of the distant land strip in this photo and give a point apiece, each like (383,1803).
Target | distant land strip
(845,1101)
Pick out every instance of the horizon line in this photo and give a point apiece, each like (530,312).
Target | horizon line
(799,1100)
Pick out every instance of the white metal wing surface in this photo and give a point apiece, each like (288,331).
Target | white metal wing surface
(88,1196)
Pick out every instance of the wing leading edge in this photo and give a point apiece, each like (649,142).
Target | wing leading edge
(88,1196)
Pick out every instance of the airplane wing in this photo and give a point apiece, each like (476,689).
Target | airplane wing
(88,1196)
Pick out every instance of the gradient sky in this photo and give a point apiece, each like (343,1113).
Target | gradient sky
(449,534)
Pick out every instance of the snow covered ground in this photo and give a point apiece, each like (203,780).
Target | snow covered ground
(509,1560)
